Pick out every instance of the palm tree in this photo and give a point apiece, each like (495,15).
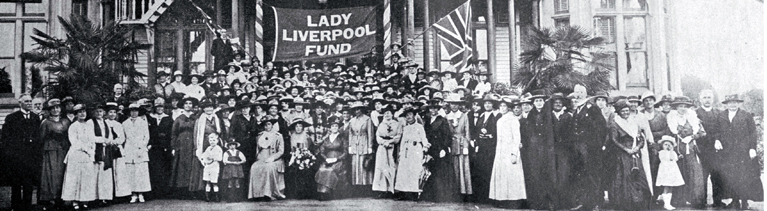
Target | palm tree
(89,61)
(562,58)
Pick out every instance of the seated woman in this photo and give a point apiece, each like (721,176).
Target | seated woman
(332,153)
(299,173)
(266,174)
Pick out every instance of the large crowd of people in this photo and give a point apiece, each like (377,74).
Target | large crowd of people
(326,131)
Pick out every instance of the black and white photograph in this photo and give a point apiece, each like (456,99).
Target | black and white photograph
(381,105)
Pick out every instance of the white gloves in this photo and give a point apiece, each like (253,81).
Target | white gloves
(751,153)
(718,145)
(442,153)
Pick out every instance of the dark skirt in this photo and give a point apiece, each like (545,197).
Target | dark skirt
(441,185)
(52,175)
(232,172)
(329,176)
(629,188)
(299,184)
(694,188)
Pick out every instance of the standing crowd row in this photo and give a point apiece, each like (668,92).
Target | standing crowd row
(322,131)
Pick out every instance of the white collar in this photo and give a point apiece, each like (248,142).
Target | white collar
(707,109)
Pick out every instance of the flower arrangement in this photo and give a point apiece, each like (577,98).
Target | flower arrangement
(302,158)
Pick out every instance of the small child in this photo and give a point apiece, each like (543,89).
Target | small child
(233,160)
(210,159)
(669,175)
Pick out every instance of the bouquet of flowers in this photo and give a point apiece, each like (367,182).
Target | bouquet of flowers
(302,158)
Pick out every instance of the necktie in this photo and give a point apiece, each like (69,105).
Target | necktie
(26,116)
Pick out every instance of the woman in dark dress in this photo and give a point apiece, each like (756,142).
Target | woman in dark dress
(53,133)
(299,175)
(629,190)
(332,154)
(441,186)
(208,122)
(182,145)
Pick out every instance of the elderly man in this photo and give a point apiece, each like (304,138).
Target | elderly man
(21,153)
(710,158)
(588,133)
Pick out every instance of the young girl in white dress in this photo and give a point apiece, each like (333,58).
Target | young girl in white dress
(669,175)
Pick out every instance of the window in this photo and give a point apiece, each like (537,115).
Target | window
(561,6)
(634,32)
(640,5)
(606,4)
(605,27)
(561,22)
(8,8)
(29,27)
(636,69)
(37,9)
(165,47)
(7,37)
(80,7)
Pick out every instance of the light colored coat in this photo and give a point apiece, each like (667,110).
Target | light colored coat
(136,140)
(508,180)
(411,156)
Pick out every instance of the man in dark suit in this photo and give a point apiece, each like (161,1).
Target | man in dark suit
(738,147)
(409,80)
(22,153)
(710,158)
(588,132)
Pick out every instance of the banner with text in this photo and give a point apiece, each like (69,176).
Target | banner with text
(304,34)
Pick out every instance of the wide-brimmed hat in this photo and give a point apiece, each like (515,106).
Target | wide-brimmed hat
(732,98)
(465,90)
(288,99)
(67,99)
(162,73)
(78,107)
(537,94)
(682,100)
(663,99)
(300,89)
(205,103)
(136,107)
(648,94)
(602,94)
(53,102)
(236,144)
(273,121)
(298,121)
(184,100)
(232,64)
(177,73)
(620,105)
(409,110)
(111,106)
(357,105)
(669,139)
(243,104)
(634,98)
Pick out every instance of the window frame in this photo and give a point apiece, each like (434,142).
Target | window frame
(619,46)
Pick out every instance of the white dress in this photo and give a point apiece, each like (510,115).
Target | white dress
(668,171)
(508,180)
(80,176)
(136,154)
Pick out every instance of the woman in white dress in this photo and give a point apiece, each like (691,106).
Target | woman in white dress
(79,184)
(121,177)
(136,153)
(194,89)
(411,157)
(507,182)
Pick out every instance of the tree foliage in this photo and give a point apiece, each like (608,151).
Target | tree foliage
(89,61)
(561,58)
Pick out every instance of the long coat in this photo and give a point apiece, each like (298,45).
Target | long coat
(710,159)
(461,147)
(563,153)
(441,186)
(411,156)
(388,135)
(160,156)
(538,155)
(508,179)
(21,149)
(244,131)
(482,162)
(589,132)
(738,137)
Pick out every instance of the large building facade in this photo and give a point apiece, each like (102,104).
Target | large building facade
(638,33)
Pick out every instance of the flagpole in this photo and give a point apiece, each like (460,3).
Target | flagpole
(411,41)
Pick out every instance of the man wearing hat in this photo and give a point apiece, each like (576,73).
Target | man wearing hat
(163,87)
(467,80)
(710,157)
(21,153)
(410,79)
(737,145)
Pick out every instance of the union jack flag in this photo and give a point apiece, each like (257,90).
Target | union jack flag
(454,31)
